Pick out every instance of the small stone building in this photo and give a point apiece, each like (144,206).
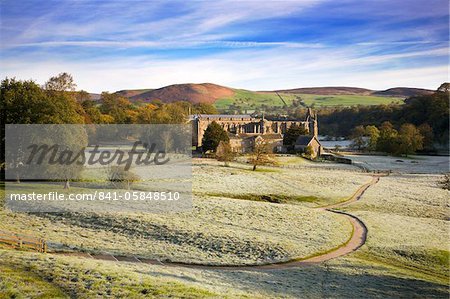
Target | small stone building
(304,141)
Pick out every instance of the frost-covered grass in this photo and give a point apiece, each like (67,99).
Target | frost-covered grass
(347,277)
(216,231)
(413,195)
(221,228)
(44,276)
(316,184)
(407,217)
(16,281)
(411,164)
(406,254)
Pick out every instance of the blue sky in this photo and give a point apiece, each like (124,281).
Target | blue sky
(258,45)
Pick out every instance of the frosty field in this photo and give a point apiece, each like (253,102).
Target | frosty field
(407,216)
(234,222)
(411,164)
(299,181)
(217,231)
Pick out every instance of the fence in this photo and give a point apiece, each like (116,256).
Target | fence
(20,241)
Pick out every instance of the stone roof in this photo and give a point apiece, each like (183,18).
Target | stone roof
(304,140)
(222,116)
(255,135)
(233,136)
(246,135)
(272,136)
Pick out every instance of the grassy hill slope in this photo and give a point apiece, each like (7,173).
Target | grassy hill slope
(225,98)
(403,92)
(194,93)
(129,93)
(340,90)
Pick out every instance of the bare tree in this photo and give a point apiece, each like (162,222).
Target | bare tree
(120,178)
(262,154)
(224,153)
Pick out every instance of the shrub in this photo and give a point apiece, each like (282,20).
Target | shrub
(120,178)
(445,183)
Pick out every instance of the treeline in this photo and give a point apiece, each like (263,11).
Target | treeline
(406,141)
(428,110)
(57,102)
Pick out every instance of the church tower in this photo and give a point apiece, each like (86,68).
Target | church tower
(313,126)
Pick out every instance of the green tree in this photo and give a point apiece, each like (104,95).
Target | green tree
(82,96)
(409,140)
(71,138)
(61,82)
(160,113)
(214,133)
(116,106)
(428,136)
(374,134)
(291,135)
(177,112)
(387,140)
(146,113)
(204,108)
(357,137)
(309,151)
(24,102)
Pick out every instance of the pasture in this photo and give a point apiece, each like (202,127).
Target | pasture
(315,100)
(405,253)
(251,100)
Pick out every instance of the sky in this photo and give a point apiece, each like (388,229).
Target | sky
(256,45)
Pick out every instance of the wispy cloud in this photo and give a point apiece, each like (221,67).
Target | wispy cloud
(166,44)
(111,45)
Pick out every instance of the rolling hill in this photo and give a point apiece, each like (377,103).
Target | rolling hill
(194,93)
(129,93)
(403,92)
(225,97)
(329,91)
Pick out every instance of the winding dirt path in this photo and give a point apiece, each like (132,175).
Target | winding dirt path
(357,239)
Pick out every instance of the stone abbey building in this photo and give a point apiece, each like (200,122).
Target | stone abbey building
(245,128)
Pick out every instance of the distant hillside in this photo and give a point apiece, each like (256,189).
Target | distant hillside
(128,93)
(403,92)
(194,93)
(400,92)
(95,96)
(228,99)
(329,91)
